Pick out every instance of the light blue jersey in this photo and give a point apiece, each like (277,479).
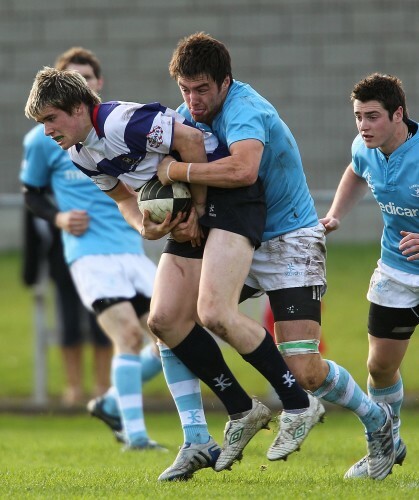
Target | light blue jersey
(395,186)
(247,115)
(46,164)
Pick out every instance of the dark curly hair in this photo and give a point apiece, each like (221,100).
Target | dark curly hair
(386,89)
(201,54)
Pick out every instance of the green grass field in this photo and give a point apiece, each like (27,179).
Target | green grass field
(74,456)
(77,457)
(344,328)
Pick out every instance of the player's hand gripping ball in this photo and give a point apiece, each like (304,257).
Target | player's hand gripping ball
(159,200)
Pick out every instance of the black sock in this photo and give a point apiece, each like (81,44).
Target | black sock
(268,361)
(202,355)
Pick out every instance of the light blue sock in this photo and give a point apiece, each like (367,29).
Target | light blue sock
(392,395)
(126,377)
(150,363)
(150,367)
(340,388)
(186,392)
(110,404)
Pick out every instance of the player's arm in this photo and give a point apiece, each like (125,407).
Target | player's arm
(351,189)
(189,143)
(37,200)
(239,169)
(126,199)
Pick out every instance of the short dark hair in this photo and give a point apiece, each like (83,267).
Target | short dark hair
(79,55)
(201,54)
(386,89)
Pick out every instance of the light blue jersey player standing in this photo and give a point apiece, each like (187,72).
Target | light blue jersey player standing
(384,159)
(290,264)
(112,274)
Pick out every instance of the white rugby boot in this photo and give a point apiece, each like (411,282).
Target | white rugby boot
(238,433)
(294,428)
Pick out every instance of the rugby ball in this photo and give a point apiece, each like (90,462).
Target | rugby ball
(160,200)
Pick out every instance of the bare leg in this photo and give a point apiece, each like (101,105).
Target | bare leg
(102,358)
(384,359)
(73,368)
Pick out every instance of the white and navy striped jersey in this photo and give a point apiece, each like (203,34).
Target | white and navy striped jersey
(128,141)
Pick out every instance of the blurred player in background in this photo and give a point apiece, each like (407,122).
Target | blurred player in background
(385,157)
(290,264)
(120,144)
(42,246)
(111,272)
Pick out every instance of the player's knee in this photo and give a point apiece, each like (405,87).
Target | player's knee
(308,379)
(153,324)
(311,382)
(379,370)
(305,362)
(216,317)
(159,324)
(131,340)
(214,323)
(218,328)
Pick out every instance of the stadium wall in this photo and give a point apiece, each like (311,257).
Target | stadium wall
(303,55)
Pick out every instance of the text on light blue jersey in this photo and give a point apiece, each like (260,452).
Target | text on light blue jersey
(395,186)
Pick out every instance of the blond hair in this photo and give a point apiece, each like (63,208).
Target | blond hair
(61,89)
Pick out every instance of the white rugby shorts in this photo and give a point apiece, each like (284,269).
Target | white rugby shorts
(390,287)
(293,260)
(115,275)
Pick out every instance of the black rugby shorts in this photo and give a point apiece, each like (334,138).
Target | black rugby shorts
(239,210)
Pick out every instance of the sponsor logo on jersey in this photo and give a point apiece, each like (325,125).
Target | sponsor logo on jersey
(368,178)
(414,188)
(392,209)
(130,164)
(292,271)
(155,137)
(74,174)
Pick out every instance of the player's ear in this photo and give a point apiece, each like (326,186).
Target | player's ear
(226,82)
(99,84)
(78,109)
(398,114)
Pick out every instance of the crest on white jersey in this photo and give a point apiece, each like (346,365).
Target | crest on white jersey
(155,137)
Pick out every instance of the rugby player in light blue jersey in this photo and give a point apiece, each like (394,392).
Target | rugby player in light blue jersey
(119,145)
(385,158)
(290,263)
(112,274)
